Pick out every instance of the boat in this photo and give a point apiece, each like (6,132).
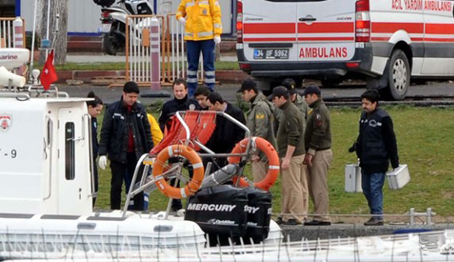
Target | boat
(47,185)
(46,193)
(11,58)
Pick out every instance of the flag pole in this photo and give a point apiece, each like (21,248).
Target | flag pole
(48,24)
(33,41)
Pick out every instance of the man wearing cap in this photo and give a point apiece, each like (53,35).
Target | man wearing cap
(259,120)
(291,151)
(317,138)
(296,99)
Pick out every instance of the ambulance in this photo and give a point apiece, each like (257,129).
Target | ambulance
(385,42)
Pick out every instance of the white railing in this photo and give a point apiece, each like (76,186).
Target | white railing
(8,34)
(167,43)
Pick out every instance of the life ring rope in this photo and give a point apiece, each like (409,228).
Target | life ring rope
(159,167)
(271,154)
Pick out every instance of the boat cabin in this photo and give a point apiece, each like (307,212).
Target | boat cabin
(45,154)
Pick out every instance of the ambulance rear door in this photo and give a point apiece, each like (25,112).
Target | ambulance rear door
(269,31)
(325,30)
(438,38)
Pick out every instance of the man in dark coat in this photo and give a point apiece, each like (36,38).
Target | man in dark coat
(376,146)
(125,136)
(226,134)
(180,102)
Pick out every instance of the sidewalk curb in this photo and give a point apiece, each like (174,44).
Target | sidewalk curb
(223,76)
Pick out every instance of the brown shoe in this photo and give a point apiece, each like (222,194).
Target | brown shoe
(374,221)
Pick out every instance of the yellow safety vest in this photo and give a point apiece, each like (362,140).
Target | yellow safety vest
(156,133)
(203,19)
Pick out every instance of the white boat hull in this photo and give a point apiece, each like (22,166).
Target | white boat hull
(103,232)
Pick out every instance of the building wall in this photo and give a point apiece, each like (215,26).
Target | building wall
(83,15)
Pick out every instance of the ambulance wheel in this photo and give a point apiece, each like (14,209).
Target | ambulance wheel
(398,75)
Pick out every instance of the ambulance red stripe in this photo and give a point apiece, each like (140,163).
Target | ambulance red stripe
(392,27)
(290,28)
(440,29)
(262,39)
(269,28)
(304,39)
(328,27)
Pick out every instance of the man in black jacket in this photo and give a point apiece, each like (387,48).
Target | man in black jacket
(226,134)
(180,102)
(376,146)
(125,136)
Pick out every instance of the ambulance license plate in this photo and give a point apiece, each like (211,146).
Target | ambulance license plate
(271,53)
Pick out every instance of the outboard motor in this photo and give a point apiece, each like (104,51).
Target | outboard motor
(220,213)
(258,212)
(224,212)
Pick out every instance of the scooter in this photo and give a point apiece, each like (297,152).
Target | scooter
(113,21)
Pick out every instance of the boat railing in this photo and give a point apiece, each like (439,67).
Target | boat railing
(145,162)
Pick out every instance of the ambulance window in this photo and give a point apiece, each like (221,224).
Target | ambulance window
(69,151)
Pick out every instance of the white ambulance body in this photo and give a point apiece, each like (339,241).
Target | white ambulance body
(382,41)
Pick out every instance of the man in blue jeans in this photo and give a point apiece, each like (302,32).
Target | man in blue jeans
(376,146)
(202,31)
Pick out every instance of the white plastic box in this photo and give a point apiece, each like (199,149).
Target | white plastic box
(399,177)
(353,178)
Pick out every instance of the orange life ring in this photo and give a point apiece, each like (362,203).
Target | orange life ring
(271,154)
(194,183)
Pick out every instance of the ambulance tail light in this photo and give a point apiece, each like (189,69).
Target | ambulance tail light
(352,64)
(239,21)
(362,25)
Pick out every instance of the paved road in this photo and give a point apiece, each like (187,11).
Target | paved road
(228,91)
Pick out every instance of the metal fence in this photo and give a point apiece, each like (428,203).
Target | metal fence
(155,44)
(8,35)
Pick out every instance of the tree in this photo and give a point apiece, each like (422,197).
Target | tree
(59,39)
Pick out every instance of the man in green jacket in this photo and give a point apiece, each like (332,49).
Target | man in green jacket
(259,120)
(296,99)
(317,138)
(291,151)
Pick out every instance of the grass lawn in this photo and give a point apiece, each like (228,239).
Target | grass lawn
(425,142)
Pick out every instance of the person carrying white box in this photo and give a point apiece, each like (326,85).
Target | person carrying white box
(375,147)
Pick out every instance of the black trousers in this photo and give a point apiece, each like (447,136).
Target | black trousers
(124,172)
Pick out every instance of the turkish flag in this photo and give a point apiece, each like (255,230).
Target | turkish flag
(48,76)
